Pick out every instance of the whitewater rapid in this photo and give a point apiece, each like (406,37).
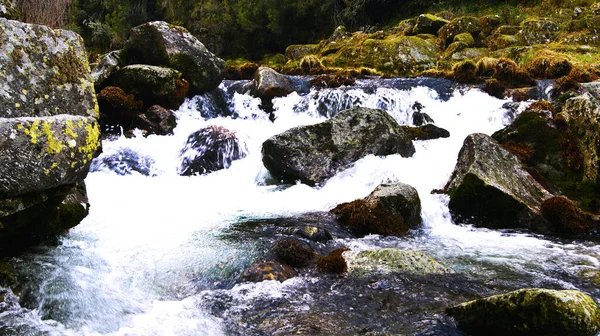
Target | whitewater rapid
(149,251)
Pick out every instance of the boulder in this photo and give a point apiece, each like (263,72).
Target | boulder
(156,120)
(489,187)
(44,73)
(152,84)
(268,84)
(9,10)
(48,132)
(391,209)
(566,217)
(42,215)
(532,311)
(45,152)
(160,43)
(109,63)
(210,149)
(464,24)
(428,24)
(334,262)
(124,161)
(295,52)
(268,270)
(426,132)
(314,153)
(392,260)
(292,252)
(117,109)
(537,32)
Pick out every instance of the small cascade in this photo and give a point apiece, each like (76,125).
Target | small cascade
(162,254)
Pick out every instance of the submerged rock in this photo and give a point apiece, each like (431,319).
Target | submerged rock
(334,262)
(314,153)
(489,187)
(124,162)
(391,209)
(268,270)
(292,252)
(210,149)
(160,43)
(390,260)
(156,120)
(532,311)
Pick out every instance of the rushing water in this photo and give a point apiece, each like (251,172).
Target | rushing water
(156,255)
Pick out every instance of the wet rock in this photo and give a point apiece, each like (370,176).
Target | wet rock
(389,260)
(156,120)
(314,153)
(566,217)
(160,43)
(310,64)
(268,270)
(109,63)
(152,84)
(268,84)
(313,233)
(63,209)
(210,149)
(296,52)
(117,109)
(391,209)
(531,311)
(537,32)
(332,81)
(493,87)
(44,73)
(334,262)
(9,10)
(124,162)
(428,24)
(292,252)
(465,24)
(420,118)
(489,187)
(427,132)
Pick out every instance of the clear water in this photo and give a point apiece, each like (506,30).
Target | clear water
(150,258)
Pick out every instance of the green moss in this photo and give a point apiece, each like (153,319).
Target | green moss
(70,68)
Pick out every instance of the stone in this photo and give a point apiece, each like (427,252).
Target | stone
(464,24)
(268,270)
(44,73)
(339,33)
(391,209)
(314,153)
(153,85)
(465,38)
(535,31)
(109,63)
(392,260)
(162,44)
(9,10)
(156,120)
(210,149)
(334,262)
(489,187)
(296,52)
(292,252)
(427,132)
(566,217)
(428,24)
(531,311)
(124,161)
(45,152)
(117,109)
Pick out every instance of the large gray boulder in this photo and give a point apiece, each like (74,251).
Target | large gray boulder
(489,187)
(391,209)
(160,43)
(48,132)
(532,311)
(314,153)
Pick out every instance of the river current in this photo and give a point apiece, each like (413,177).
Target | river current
(156,255)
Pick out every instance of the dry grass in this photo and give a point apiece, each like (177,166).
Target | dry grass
(53,13)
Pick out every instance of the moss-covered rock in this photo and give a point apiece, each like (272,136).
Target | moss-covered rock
(465,24)
(314,153)
(531,311)
(465,38)
(428,24)
(427,132)
(389,260)
(43,72)
(489,187)
(391,209)
(43,153)
(117,109)
(162,44)
(292,252)
(535,31)
(566,217)
(268,270)
(500,41)
(152,84)
(334,262)
(295,52)
(9,10)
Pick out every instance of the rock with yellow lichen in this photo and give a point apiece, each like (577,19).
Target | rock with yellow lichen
(49,132)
